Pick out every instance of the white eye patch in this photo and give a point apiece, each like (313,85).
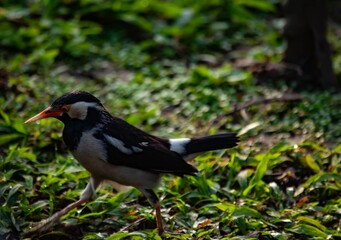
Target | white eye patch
(79,110)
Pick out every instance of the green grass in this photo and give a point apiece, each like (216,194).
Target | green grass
(159,72)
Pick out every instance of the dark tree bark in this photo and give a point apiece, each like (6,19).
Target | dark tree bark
(308,48)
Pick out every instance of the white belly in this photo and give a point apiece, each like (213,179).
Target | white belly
(90,154)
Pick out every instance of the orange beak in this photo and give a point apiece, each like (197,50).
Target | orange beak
(47,113)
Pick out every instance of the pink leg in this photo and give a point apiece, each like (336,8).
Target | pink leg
(154,201)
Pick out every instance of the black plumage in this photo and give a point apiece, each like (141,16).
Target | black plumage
(75,96)
(213,142)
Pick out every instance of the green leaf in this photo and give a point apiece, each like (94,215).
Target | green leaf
(5,117)
(312,222)
(49,54)
(226,206)
(37,205)
(314,146)
(93,214)
(118,236)
(6,138)
(337,149)
(311,162)
(260,171)
(134,235)
(321,177)
(242,178)
(282,147)
(13,195)
(139,21)
(24,152)
(257,4)
(245,212)
(308,230)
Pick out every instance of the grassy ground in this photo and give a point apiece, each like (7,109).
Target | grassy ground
(282,182)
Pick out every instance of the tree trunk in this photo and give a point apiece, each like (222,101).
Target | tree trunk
(308,48)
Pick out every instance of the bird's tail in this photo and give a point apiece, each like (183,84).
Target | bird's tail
(212,142)
(191,147)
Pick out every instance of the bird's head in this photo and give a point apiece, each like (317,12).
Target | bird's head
(73,105)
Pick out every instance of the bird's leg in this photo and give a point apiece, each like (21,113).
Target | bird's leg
(87,193)
(154,201)
(158,217)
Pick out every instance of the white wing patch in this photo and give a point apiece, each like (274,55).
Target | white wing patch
(120,145)
(178,145)
(144,144)
(136,149)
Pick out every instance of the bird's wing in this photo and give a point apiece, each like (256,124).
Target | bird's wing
(130,146)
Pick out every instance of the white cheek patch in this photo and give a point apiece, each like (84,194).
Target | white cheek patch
(120,145)
(179,145)
(79,110)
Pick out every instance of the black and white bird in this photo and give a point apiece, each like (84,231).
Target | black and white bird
(112,149)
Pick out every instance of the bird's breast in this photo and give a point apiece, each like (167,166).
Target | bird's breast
(91,153)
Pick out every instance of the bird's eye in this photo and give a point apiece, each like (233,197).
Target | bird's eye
(65,108)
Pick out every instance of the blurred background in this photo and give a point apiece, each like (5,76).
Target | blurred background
(267,69)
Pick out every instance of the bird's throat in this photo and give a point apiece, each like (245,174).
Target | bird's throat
(72,134)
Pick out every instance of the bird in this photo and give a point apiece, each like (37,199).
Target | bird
(112,149)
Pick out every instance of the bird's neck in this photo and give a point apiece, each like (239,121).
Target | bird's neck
(74,128)
(72,133)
